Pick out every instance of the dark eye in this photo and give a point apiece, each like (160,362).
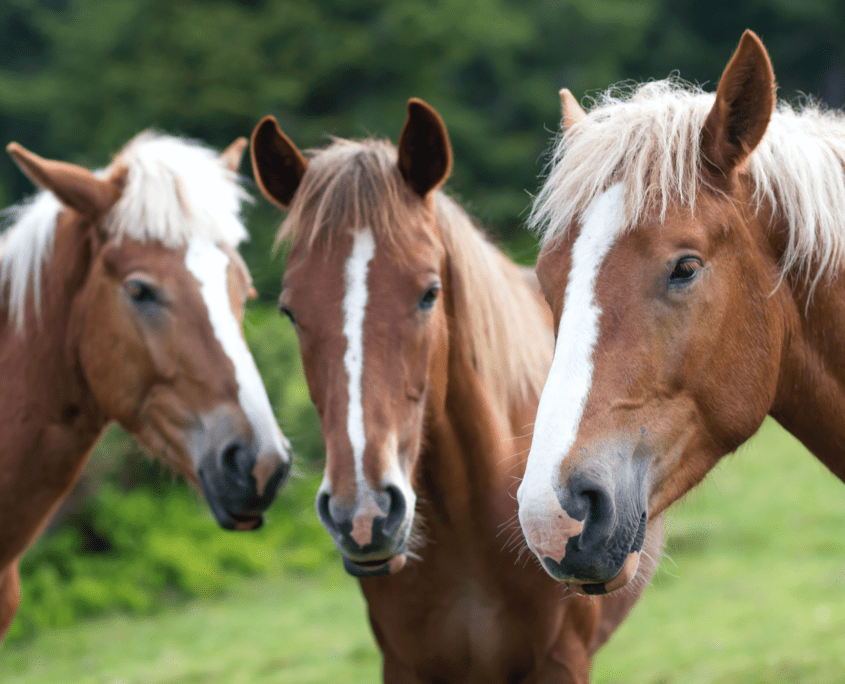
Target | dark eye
(142,293)
(427,300)
(685,270)
(287,312)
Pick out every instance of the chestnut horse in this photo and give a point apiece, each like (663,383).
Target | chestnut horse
(693,251)
(425,350)
(120,299)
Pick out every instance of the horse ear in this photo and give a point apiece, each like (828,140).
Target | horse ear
(571,111)
(232,155)
(745,100)
(425,155)
(74,186)
(276,162)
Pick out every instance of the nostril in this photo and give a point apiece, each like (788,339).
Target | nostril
(229,458)
(396,510)
(591,503)
(594,503)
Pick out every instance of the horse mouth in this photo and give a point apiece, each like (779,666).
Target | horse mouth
(624,576)
(237,522)
(374,568)
(246,523)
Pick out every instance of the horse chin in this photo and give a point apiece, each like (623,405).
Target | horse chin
(226,519)
(235,522)
(375,568)
(247,523)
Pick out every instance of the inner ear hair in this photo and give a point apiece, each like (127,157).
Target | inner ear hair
(277,164)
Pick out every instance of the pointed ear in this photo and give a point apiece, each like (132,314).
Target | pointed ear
(74,186)
(232,155)
(425,156)
(571,111)
(745,100)
(277,164)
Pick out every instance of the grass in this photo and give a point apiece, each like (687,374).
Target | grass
(753,590)
(292,629)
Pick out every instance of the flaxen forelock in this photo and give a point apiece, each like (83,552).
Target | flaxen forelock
(648,137)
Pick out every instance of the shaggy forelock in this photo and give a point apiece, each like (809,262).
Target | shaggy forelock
(349,183)
(355,183)
(648,137)
(176,190)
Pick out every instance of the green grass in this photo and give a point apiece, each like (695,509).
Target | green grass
(753,591)
(292,629)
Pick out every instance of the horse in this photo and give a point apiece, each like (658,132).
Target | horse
(693,256)
(424,349)
(121,294)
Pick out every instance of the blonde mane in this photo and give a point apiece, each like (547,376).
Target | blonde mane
(501,324)
(648,138)
(176,189)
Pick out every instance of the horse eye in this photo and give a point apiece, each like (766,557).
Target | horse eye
(287,312)
(142,293)
(428,299)
(685,270)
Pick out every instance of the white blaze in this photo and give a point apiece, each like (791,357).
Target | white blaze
(208,264)
(568,384)
(354,309)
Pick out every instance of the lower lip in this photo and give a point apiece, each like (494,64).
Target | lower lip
(387,567)
(625,575)
(247,525)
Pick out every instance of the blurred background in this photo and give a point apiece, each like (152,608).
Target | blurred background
(134,546)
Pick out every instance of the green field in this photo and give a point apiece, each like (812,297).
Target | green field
(752,590)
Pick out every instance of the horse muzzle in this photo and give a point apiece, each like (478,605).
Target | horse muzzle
(371,533)
(240,486)
(588,534)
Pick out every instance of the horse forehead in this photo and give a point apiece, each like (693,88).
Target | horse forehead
(121,257)
(315,277)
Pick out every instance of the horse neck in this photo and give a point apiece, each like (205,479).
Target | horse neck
(472,455)
(50,419)
(810,397)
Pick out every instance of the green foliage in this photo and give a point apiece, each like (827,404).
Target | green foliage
(160,547)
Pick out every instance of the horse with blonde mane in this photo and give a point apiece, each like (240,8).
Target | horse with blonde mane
(121,294)
(693,254)
(425,350)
